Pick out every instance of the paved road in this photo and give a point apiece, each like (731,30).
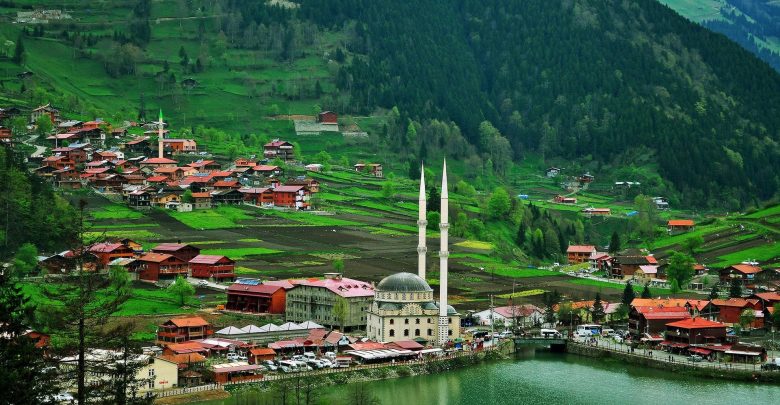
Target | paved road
(39,150)
(208,284)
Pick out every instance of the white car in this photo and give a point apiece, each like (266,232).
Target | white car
(326,363)
(269,364)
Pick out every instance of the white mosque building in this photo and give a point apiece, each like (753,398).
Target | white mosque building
(404,307)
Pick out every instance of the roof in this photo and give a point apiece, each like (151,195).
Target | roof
(189,321)
(204,194)
(187,347)
(277,143)
(105,247)
(230,330)
(648,269)
(344,287)
(288,189)
(263,289)
(407,344)
(262,351)
(652,302)
(517,310)
(158,161)
(254,190)
(768,296)
(695,323)
(234,367)
(265,168)
(680,222)
(581,249)
(184,358)
(367,346)
(746,268)
(155,257)
(208,259)
(734,302)
(172,247)
(156,179)
(403,282)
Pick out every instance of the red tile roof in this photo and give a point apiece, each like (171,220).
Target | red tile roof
(262,289)
(105,247)
(288,189)
(262,351)
(189,321)
(680,222)
(580,249)
(734,302)
(208,259)
(695,323)
(265,168)
(746,268)
(171,247)
(158,161)
(367,346)
(155,257)
(157,179)
(204,194)
(345,287)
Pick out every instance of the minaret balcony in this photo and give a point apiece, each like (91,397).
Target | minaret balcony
(444,226)
(422,249)
(444,254)
(422,222)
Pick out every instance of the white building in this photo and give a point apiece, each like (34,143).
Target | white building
(526,316)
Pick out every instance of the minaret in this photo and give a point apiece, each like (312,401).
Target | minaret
(444,253)
(160,136)
(422,222)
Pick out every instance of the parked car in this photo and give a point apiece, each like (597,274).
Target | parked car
(695,358)
(330,356)
(298,357)
(326,363)
(269,364)
(313,363)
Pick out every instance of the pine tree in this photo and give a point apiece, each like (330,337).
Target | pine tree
(433,204)
(18,57)
(598,309)
(628,294)
(520,240)
(614,243)
(735,289)
(714,293)
(646,292)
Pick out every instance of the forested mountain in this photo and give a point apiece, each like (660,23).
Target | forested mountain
(602,80)
(754,24)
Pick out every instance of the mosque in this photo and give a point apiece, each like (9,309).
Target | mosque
(404,307)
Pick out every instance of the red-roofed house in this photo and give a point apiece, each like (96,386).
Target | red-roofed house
(213,266)
(695,331)
(279,149)
(182,251)
(259,354)
(653,319)
(158,162)
(680,225)
(579,253)
(732,308)
(263,196)
(262,298)
(154,266)
(743,272)
(205,166)
(106,252)
(201,201)
(177,330)
(313,299)
(267,170)
(328,117)
(292,197)
(180,145)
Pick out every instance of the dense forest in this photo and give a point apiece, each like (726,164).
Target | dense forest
(598,80)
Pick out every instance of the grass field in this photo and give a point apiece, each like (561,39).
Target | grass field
(307,218)
(240,253)
(520,294)
(219,218)
(475,244)
(115,211)
(615,286)
(523,273)
(137,235)
(758,253)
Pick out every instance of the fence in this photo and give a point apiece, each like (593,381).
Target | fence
(188,390)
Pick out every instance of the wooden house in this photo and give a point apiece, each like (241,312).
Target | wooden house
(579,253)
(181,251)
(279,149)
(156,266)
(177,330)
(254,297)
(219,268)
(679,226)
(107,252)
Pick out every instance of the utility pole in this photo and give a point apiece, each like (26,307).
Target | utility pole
(492,319)
(512,303)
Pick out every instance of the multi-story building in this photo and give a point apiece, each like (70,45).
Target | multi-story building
(334,301)
(177,330)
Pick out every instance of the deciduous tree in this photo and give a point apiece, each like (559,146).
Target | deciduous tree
(181,290)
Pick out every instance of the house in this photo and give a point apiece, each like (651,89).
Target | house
(244,162)
(292,197)
(152,373)
(158,162)
(730,310)
(180,145)
(679,226)
(67,262)
(181,251)
(695,331)
(247,295)
(313,167)
(201,201)
(311,185)
(138,145)
(745,272)
(314,299)
(140,198)
(661,203)
(579,253)
(586,178)
(166,198)
(260,354)
(5,135)
(227,197)
(177,330)
(624,266)
(591,212)
(258,196)
(267,170)
(48,110)
(523,315)
(552,172)
(172,173)
(279,149)
(154,266)
(107,252)
(327,117)
(599,261)
(372,169)
(213,266)
(645,273)
(564,200)
(653,319)
(205,166)
(227,184)
(237,372)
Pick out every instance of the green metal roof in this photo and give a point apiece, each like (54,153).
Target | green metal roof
(403,282)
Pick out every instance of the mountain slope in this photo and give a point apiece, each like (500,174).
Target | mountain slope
(754,24)
(603,80)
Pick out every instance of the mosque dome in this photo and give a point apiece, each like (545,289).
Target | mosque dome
(403,282)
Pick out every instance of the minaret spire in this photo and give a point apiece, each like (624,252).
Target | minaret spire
(422,222)
(160,143)
(443,256)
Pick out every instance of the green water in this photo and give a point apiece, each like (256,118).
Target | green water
(548,378)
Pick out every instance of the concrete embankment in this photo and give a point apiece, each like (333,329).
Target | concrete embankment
(699,369)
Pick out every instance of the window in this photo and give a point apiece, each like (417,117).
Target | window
(429,320)
(416,332)
(406,321)
(406,332)
(430,332)
(392,332)
(392,321)
(417,321)
(449,332)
